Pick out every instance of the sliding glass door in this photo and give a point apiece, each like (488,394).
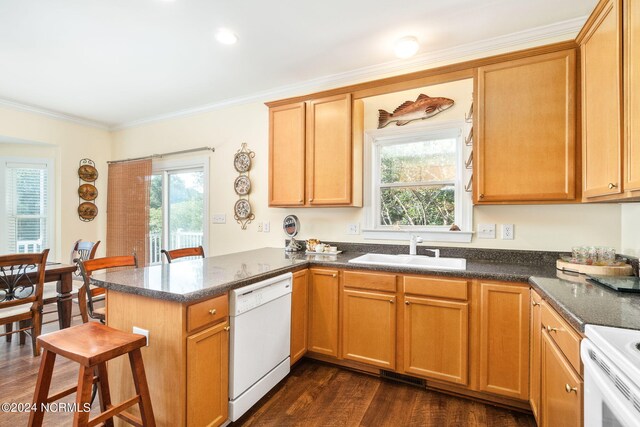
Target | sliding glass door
(177,209)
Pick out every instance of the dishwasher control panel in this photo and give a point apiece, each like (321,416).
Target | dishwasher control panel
(249,297)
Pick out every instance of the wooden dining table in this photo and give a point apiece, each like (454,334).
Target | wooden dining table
(62,275)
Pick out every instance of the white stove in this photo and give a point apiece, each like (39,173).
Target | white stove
(611,358)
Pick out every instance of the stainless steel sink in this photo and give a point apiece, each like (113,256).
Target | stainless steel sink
(413,261)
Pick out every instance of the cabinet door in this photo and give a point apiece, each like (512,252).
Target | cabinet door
(561,392)
(504,339)
(329,151)
(323,311)
(208,376)
(632,95)
(436,339)
(287,155)
(299,311)
(601,49)
(369,327)
(526,128)
(535,357)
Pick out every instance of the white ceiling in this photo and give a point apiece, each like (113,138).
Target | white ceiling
(120,61)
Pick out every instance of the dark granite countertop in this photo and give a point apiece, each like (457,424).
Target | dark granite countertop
(584,303)
(194,280)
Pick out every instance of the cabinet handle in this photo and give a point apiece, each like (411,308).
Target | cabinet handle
(334,275)
(550,329)
(301,201)
(391,301)
(569,389)
(481,196)
(535,304)
(212,311)
(407,303)
(226,328)
(310,200)
(612,186)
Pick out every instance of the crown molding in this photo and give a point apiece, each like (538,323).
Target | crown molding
(560,30)
(53,114)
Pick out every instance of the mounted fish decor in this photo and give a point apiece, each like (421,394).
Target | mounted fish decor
(422,108)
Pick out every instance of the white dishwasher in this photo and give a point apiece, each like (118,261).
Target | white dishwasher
(259,342)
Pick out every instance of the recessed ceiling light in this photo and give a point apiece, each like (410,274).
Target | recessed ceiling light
(406,47)
(225,36)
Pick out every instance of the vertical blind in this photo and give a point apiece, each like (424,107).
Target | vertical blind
(128,209)
(27,207)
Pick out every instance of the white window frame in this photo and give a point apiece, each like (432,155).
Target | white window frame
(374,139)
(49,166)
(164,168)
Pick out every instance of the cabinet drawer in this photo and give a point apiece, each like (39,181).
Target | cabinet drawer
(207,312)
(436,287)
(372,281)
(566,338)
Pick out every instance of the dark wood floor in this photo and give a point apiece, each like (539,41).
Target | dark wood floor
(314,394)
(317,394)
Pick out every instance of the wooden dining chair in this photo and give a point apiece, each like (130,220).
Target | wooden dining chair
(87,293)
(174,254)
(21,286)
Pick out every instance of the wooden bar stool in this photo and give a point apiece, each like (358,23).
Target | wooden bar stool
(92,345)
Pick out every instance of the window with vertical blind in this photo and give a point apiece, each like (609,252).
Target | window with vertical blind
(26,202)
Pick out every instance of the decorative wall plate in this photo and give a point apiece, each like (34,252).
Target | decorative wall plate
(88,173)
(88,192)
(242,185)
(242,209)
(242,161)
(87,211)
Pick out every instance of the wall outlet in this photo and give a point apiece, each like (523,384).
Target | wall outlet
(219,219)
(260,226)
(486,231)
(353,229)
(266,226)
(141,331)
(507,231)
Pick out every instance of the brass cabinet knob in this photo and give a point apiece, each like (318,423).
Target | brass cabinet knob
(310,200)
(391,301)
(481,196)
(334,275)
(226,328)
(301,200)
(535,303)
(612,186)
(569,389)
(550,329)
(407,302)
(212,311)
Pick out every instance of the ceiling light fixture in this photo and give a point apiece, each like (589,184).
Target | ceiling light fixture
(406,47)
(225,36)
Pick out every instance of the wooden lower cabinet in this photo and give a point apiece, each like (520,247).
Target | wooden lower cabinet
(436,339)
(535,356)
(324,294)
(208,376)
(561,388)
(504,339)
(369,327)
(299,315)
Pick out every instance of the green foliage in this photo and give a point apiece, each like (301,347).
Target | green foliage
(185,208)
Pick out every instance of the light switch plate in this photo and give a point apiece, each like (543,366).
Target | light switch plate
(260,226)
(219,218)
(353,228)
(486,231)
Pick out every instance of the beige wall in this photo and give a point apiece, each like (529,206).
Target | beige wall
(68,143)
(536,227)
(630,224)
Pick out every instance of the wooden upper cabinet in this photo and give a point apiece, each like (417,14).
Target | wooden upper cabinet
(315,152)
(601,48)
(525,147)
(299,315)
(369,327)
(632,95)
(287,155)
(323,311)
(329,151)
(561,392)
(504,339)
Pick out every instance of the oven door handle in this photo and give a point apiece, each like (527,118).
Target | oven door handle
(617,401)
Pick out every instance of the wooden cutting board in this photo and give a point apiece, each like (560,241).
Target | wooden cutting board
(601,270)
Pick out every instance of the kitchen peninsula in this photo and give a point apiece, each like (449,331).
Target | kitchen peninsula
(184,307)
